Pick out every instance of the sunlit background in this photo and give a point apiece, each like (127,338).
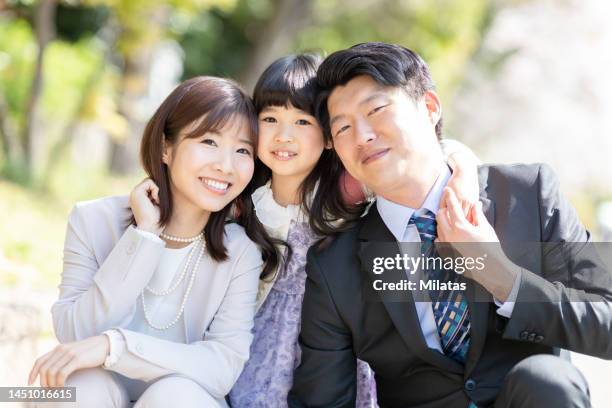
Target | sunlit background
(521,81)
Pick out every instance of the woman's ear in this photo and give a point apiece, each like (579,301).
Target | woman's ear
(329,145)
(166,152)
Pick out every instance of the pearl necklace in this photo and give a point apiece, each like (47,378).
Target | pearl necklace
(176,284)
(179,239)
(185,296)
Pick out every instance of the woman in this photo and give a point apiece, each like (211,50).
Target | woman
(158,287)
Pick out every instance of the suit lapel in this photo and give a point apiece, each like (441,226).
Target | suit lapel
(377,241)
(479,302)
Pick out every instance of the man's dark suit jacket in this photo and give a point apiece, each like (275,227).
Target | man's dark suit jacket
(524,205)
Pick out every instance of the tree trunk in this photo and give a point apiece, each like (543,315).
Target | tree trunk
(45,32)
(134,87)
(67,135)
(277,37)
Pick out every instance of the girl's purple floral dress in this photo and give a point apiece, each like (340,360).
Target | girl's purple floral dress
(268,375)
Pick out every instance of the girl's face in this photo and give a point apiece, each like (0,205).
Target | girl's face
(290,141)
(209,171)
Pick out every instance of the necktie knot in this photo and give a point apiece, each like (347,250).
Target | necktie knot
(425,222)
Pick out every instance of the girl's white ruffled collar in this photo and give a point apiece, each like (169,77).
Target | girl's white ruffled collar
(273,215)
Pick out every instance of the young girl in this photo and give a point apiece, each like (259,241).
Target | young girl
(166,300)
(297,169)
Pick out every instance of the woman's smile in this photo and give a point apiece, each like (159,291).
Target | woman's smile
(214,185)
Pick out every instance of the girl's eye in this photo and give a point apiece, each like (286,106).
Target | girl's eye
(209,142)
(378,108)
(244,151)
(302,122)
(342,129)
(268,119)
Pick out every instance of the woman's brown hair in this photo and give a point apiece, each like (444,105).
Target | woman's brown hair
(207,103)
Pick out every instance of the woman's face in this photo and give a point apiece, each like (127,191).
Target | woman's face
(209,171)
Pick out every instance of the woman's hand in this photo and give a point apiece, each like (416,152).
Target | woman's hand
(144,201)
(55,366)
(464,180)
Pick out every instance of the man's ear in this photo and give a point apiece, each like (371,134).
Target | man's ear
(329,145)
(166,152)
(433,105)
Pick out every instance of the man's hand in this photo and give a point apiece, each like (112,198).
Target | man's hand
(55,366)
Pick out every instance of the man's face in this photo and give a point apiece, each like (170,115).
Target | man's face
(382,135)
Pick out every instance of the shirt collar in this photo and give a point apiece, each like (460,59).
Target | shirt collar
(396,216)
(272,215)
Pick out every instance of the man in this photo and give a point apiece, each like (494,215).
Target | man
(379,108)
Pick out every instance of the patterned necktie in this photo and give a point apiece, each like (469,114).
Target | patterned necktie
(450,307)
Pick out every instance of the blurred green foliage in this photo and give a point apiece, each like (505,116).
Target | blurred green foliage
(218,37)
(17,55)
(73,22)
(444,32)
(67,68)
(218,42)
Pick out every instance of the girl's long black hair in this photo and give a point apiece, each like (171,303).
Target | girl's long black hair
(291,80)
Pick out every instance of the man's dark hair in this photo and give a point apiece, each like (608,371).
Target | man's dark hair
(387,64)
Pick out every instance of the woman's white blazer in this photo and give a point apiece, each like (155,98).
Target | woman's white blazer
(106,267)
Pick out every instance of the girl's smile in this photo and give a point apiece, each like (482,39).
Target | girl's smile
(283,155)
